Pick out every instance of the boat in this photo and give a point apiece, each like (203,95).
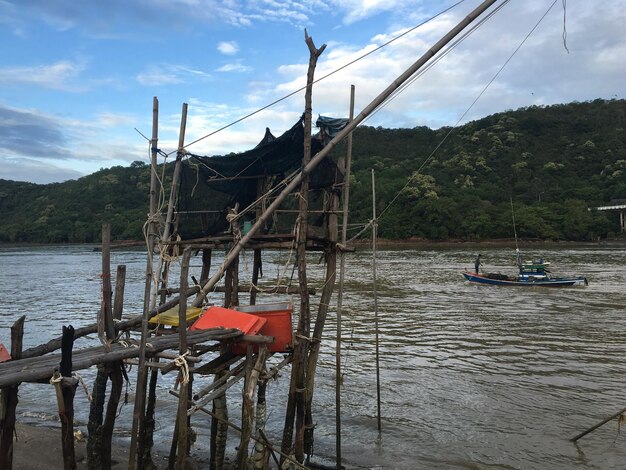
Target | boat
(531,274)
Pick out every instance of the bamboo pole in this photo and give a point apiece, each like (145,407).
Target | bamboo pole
(315,161)
(9,398)
(320,321)
(142,373)
(374,280)
(596,426)
(342,271)
(173,196)
(185,379)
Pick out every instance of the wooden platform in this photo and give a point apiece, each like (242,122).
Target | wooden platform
(40,368)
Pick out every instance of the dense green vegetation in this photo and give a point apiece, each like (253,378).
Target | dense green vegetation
(553,163)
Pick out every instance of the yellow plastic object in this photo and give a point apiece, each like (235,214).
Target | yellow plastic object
(170,317)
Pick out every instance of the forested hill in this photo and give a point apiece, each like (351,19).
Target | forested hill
(552,162)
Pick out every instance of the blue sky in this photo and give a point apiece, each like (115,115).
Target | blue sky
(78,77)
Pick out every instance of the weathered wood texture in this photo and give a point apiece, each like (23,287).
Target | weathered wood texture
(39,368)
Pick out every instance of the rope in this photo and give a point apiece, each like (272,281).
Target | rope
(76,375)
(565,25)
(56,378)
(181,363)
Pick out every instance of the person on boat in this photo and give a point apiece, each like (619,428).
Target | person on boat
(477,264)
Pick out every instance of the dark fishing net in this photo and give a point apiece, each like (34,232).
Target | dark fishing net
(211,185)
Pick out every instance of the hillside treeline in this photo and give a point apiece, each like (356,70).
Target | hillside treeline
(550,163)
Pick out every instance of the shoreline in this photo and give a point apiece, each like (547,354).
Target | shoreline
(412,242)
(495,242)
(38,447)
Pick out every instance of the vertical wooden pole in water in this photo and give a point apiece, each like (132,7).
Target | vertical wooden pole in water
(120,284)
(206,265)
(342,270)
(374,237)
(253,373)
(66,388)
(140,389)
(9,396)
(105,322)
(99,436)
(296,400)
(183,398)
(257,267)
(167,231)
(113,370)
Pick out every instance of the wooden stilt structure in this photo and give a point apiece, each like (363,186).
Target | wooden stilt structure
(212,352)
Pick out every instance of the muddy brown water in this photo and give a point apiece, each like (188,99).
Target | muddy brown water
(472,376)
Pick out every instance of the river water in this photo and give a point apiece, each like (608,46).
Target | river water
(471,376)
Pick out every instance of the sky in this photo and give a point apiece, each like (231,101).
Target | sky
(77,78)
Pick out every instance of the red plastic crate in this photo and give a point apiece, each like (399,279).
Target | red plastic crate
(4,354)
(214,317)
(278,325)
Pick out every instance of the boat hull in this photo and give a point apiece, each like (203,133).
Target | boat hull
(544,282)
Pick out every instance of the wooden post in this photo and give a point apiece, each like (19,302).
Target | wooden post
(247,411)
(184,375)
(206,265)
(231,284)
(99,437)
(260,459)
(257,269)
(65,386)
(118,301)
(142,373)
(114,372)
(219,429)
(106,312)
(94,425)
(375,282)
(342,270)
(144,459)
(296,401)
(320,321)
(165,238)
(10,398)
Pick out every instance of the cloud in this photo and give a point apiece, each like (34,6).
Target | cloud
(235,67)
(25,133)
(61,75)
(228,47)
(169,74)
(35,171)
(357,10)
